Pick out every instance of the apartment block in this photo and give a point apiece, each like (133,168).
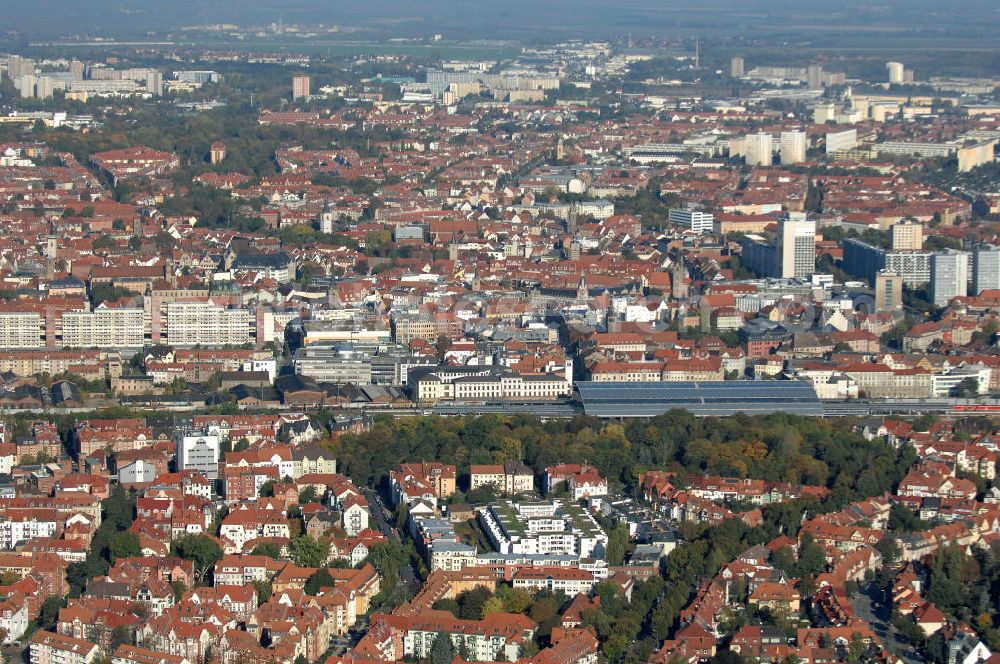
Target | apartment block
(104,328)
(207,324)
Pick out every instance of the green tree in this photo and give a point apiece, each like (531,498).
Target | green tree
(309,552)
(471,603)
(264,591)
(320,579)
(812,558)
(515,600)
(968,388)
(269,549)
(387,558)
(119,635)
(784,559)
(493,605)
(442,651)
(308,495)
(124,545)
(544,609)
(449,605)
(202,550)
(49,612)
(618,544)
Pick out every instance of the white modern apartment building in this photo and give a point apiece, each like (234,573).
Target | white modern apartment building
(542,527)
(696,220)
(759,149)
(798,248)
(949,276)
(985,268)
(21,330)
(14,619)
(21,527)
(207,324)
(104,328)
(838,141)
(197,451)
(792,147)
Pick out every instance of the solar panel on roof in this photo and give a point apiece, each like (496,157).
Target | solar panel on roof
(701,398)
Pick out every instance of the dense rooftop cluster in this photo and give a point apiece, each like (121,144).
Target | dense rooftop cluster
(233,321)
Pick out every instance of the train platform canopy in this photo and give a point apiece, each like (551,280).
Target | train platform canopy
(704,399)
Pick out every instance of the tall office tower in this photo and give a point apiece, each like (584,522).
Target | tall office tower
(759,151)
(823,113)
(43,87)
(949,276)
(888,291)
(797,241)
(907,235)
(792,147)
(25,83)
(814,77)
(736,66)
(896,71)
(18,66)
(154,83)
(985,268)
(300,87)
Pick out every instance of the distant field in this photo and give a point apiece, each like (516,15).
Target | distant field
(320,46)
(316,46)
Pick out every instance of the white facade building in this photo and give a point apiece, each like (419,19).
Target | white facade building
(199,452)
(798,248)
(206,324)
(792,147)
(949,276)
(759,149)
(696,220)
(104,328)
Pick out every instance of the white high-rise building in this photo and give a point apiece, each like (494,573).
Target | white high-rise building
(199,452)
(759,149)
(985,268)
(896,71)
(824,112)
(907,236)
(103,328)
(697,221)
(792,147)
(44,86)
(300,87)
(206,324)
(949,276)
(25,84)
(736,66)
(814,77)
(797,241)
(841,140)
